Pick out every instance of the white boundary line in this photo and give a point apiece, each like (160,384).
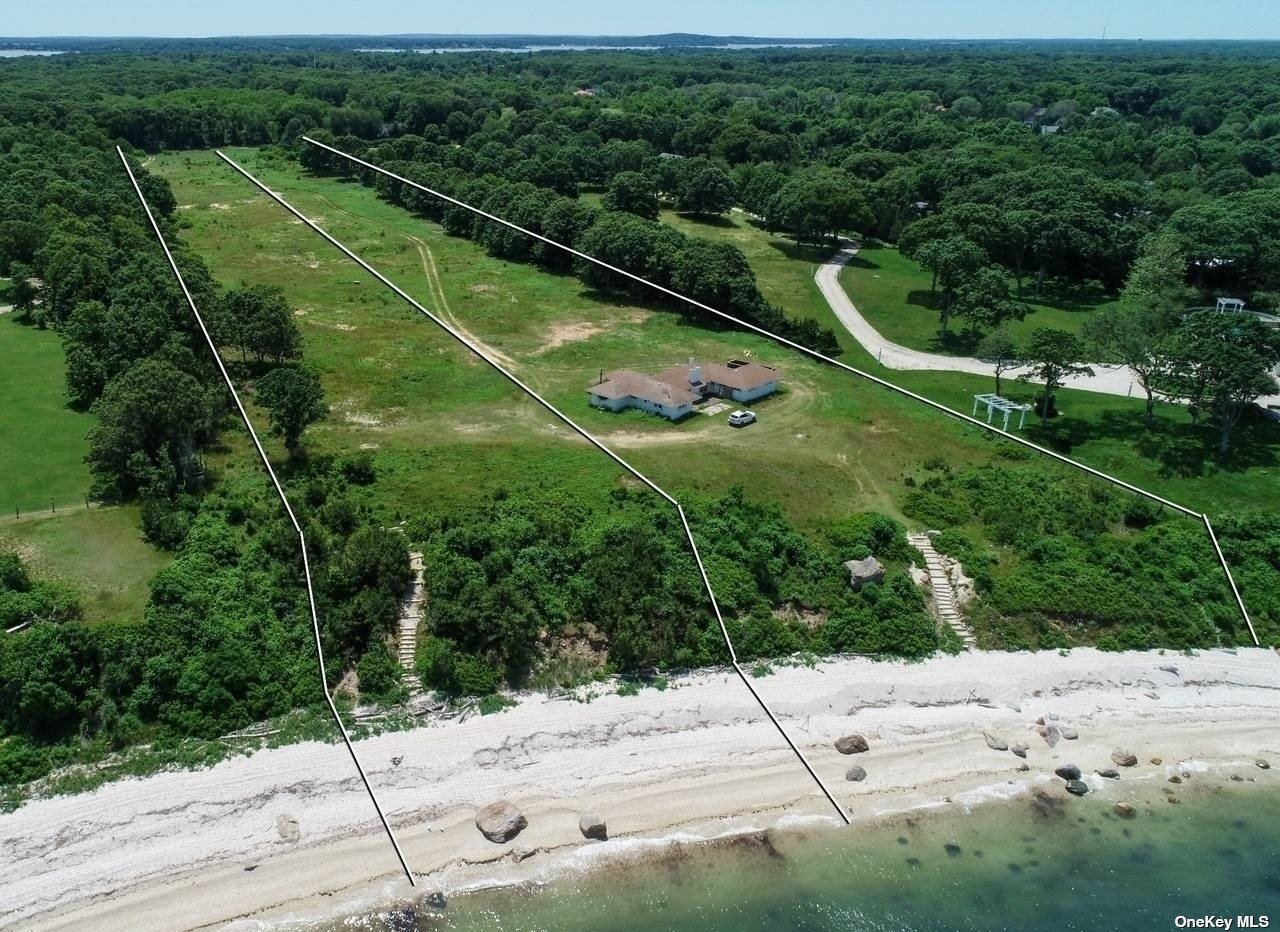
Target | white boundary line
(573,425)
(819,356)
(302,543)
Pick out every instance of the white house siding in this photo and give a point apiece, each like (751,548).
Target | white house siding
(610,404)
(745,395)
(617,404)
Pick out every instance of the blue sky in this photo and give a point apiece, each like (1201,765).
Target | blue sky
(1149,19)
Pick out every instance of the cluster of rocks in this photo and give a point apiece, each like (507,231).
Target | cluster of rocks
(853,744)
(501,821)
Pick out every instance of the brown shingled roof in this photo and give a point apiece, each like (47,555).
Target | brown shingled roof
(740,376)
(625,383)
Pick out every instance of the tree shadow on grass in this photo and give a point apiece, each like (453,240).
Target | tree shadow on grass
(1183,449)
(708,220)
(805,252)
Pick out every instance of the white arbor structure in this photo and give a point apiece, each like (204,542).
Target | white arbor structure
(995,403)
(1230,304)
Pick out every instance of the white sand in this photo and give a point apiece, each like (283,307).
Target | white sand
(171,851)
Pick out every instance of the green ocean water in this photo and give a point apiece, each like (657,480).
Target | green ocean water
(1071,865)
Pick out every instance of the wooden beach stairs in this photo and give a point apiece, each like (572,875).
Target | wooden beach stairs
(410,616)
(944,594)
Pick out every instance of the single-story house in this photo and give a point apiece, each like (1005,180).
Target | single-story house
(674,392)
(626,389)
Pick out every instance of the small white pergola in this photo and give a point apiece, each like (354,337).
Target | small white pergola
(1230,304)
(995,403)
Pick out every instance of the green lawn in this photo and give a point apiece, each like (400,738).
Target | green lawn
(42,454)
(893,293)
(99,552)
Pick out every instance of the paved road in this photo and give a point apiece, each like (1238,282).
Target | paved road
(1107,379)
(1111,380)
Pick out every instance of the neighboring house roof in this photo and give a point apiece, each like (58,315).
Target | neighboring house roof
(742,376)
(627,384)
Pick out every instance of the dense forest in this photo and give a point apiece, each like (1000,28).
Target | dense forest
(1006,172)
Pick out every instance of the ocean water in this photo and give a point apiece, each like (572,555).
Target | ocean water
(1072,865)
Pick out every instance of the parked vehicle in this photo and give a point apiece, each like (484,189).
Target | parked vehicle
(742,418)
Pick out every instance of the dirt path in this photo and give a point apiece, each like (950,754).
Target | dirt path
(442,305)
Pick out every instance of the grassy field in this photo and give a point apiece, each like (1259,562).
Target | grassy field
(443,426)
(431,412)
(100,553)
(42,457)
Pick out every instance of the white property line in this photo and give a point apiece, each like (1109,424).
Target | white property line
(578,429)
(302,542)
(938,406)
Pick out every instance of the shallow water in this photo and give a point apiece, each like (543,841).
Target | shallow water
(1075,865)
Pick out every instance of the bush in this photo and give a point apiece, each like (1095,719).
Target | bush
(380,672)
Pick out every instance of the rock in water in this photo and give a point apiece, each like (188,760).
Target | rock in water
(1122,758)
(287,826)
(995,743)
(436,900)
(1124,810)
(851,744)
(1068,772)
(1077,787)
(865,571)
(1109,773)
(592,826)
(855,774)
(500,821)
(1265,765)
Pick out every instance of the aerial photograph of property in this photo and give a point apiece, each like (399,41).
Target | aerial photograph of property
(682,466)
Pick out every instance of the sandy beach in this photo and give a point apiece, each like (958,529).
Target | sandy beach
(202,850)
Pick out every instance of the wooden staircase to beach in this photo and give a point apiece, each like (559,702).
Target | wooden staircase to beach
(944,594)
(410,616)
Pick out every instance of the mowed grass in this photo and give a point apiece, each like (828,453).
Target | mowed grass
(45,442)
(443,426)
(98,552)
(1175,459)
(894,294)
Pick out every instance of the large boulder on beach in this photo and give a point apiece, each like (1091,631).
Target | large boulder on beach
(1263,763)
(865,571)
(500,821)
(995,742)
(1123,758)
(592,826)
(1068,772)
(1077,787)
(287,827)
(855,774)
(851,744)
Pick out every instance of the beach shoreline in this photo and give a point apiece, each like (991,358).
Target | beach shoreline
(202,850)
